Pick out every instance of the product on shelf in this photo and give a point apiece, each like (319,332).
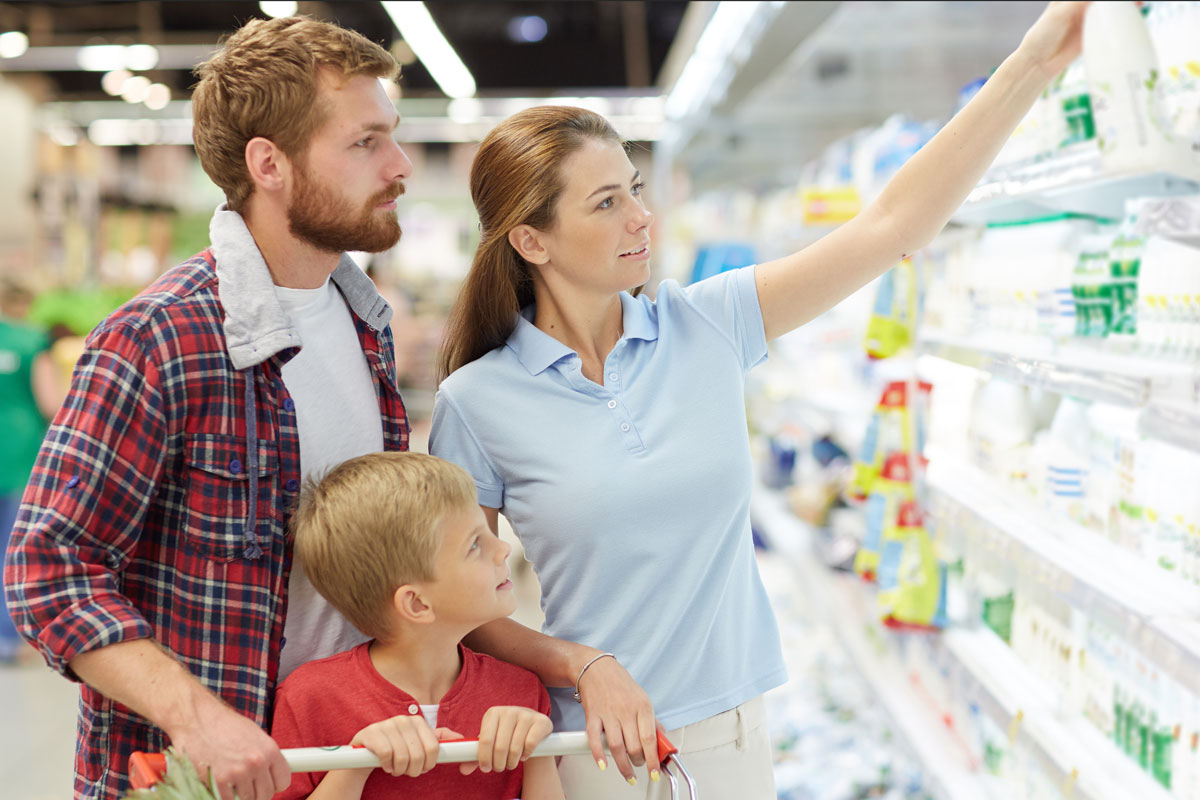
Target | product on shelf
(1132,127)
(890,328)
(911,580)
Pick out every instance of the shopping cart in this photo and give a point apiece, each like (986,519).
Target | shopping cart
(147,769)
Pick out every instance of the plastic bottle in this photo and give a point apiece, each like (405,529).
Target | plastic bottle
(1122,68)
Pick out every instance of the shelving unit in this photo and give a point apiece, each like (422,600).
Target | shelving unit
(1137,600)
(1074,181)
(1068,748)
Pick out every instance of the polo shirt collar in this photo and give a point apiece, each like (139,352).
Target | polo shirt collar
(537,350)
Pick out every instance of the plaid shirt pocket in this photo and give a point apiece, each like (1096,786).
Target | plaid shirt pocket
(217,499)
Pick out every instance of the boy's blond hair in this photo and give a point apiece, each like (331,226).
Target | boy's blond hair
(263,82)
(370,526)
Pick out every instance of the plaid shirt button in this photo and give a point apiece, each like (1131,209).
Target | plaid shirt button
(235,466)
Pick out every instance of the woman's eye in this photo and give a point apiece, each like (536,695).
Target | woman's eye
(606,203)
(637,187)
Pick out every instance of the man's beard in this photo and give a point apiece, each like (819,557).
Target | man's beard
(326,220)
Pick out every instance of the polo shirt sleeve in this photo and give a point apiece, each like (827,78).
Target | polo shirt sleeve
(451,438)
(729,301)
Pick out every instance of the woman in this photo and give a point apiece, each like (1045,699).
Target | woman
(611,429)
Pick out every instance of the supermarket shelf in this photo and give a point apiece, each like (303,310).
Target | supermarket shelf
(1175,423)
(1074,182)
(1136,599)
(1173,217)
(1090,373)
(839,596)
(1070,751)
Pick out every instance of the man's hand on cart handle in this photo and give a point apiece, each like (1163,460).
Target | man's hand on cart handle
(244,759)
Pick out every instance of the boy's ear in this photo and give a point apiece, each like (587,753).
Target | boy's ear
(527,241)
(410,604)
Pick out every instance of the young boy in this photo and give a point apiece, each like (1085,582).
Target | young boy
(397,543)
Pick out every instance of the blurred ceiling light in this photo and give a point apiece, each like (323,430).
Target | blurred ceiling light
(136,89)
(719,50)
(108,57)
(113,80)
(527,29)
(101,57)
(157,96)
(278,8)
(13,44)
(417,27)
(141,57)
(64,135)
(464,110)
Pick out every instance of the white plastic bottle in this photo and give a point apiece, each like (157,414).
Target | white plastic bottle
(1122,68)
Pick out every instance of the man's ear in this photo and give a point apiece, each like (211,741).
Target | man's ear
(410,604)
(269,168)
(527,241)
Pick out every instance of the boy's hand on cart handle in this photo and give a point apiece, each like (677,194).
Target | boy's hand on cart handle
(507,737)
(243,758)
(1056,38)
(617,707)
(404,745)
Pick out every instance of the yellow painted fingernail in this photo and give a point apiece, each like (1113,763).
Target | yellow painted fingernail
(601,764)
(631,780)
(654,775)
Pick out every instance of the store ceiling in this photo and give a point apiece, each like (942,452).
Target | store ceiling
(587,43)
(826,70)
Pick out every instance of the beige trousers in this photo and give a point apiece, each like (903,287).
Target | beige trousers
(728,755)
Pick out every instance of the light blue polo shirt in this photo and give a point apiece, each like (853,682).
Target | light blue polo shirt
(632,499)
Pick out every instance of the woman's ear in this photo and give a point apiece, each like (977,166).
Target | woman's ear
(269,168)
(527,241)
(410,605)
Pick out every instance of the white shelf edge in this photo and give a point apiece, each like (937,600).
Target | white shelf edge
(1134,598)
(1127,380)
(1075,181)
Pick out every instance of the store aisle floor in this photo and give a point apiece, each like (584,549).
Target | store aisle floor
(37,737)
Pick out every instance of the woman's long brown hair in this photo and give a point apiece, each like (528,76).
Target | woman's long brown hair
(516,179)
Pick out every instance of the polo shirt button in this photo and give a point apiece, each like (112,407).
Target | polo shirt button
(414,708)
(235,466)
(612,403)
(289,405)
(292,485)
(625,427)
(612,376)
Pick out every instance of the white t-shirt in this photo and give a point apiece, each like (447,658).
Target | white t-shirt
(337,414)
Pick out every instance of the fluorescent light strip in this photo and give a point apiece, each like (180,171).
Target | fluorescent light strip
(706,75)
(421,33)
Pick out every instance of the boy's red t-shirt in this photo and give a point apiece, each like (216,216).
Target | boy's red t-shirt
(326,702)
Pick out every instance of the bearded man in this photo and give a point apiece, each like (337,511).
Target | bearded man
(150,559)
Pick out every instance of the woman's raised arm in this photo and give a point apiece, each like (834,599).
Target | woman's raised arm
(920,199)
